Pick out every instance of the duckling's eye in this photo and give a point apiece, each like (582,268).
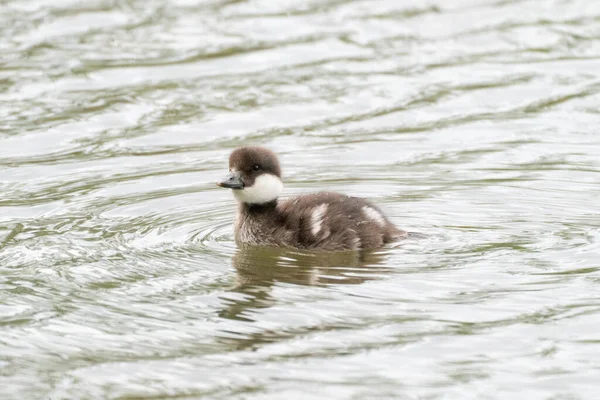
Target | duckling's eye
(256,167)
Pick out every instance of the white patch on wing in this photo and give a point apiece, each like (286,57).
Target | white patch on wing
(267,187)
(316,218)
(373,215)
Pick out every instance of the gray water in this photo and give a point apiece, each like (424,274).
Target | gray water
(474,121)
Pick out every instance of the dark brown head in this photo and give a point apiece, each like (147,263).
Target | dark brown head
(254,175)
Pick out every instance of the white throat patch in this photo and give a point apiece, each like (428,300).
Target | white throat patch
(267,187)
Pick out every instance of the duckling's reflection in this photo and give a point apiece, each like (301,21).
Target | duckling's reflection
(260,268)
(265,266)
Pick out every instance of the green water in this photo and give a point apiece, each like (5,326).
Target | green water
(474,121)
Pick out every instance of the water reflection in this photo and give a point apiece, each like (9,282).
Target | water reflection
(259,269)
(260,266)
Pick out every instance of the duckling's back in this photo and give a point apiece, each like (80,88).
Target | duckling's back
(334,222)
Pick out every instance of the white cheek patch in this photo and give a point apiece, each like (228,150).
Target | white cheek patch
(267,187)
(373,215)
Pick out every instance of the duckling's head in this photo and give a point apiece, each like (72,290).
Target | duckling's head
(254,175)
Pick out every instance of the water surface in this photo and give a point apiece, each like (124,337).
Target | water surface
(475,121)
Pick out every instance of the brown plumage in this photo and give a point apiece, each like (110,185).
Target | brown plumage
(325,220)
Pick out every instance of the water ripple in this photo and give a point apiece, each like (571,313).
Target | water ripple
(470,120)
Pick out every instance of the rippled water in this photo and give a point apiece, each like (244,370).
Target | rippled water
(473,121)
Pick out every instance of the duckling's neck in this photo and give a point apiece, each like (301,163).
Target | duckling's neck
(256,208)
